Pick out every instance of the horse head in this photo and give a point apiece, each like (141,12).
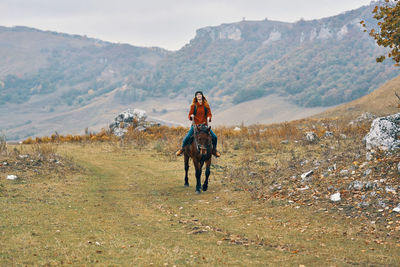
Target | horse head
(203,139)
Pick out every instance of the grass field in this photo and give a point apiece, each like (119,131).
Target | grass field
(110,204)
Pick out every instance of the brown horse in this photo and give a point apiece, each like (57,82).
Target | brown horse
(200,150)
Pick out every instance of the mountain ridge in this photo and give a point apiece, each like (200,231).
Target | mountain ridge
(306,64)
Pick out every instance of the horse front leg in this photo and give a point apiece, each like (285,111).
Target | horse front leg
(186,160)
(208,164)
(198,175)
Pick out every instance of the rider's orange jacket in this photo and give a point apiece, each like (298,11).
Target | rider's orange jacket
(202,112)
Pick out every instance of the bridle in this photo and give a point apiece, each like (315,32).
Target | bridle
(199,147)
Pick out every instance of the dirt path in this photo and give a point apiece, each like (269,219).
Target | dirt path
(131,208)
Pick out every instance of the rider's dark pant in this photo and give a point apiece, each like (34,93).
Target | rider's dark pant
(190,133)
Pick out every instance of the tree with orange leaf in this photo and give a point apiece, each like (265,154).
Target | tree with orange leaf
(388,16)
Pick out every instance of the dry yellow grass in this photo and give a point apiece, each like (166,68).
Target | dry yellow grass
(129,207)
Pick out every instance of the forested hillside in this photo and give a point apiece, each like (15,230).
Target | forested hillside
(314,63)
(74,68)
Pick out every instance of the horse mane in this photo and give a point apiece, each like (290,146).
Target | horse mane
(203,128)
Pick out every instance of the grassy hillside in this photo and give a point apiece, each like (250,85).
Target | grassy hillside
(126,203)
(382,101)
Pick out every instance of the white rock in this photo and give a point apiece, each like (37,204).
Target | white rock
(324,33)
(273,36)
(230,32)
(303,188)
(237,129)
(306,174)
(343,31)
(335,197)
(12,177)
(311,137)
(384,133)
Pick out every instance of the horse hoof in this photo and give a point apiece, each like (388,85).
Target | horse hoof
(198,192)
(205,188)
(186,185)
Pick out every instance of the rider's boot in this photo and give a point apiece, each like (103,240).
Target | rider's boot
(179,152)
(216,153)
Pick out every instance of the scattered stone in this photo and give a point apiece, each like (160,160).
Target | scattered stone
(140,128)
(304,162)
(344,172)
(367,172)
(381,204)
(311,137)
(303,188)
(397,209)
(369,156)
(370,185)
(23,156)
(275,187)
(390,189)
(363,204)
(384,133)
(332,168)
(363,117)
(12,177)
(343,136)
(305,177)
(285,142)
(398,167)
(335,197)
(328,134)
(364,164)
(237,129)
(356,185)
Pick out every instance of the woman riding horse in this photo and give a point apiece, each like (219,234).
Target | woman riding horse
(200,112)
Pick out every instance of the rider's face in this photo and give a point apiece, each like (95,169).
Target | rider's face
(199,97)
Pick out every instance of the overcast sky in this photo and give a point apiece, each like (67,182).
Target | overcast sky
(169,24)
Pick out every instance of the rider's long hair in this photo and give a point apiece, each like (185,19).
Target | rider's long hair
(205,103)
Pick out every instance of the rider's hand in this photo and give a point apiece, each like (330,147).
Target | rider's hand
(191,117)
(208,119)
